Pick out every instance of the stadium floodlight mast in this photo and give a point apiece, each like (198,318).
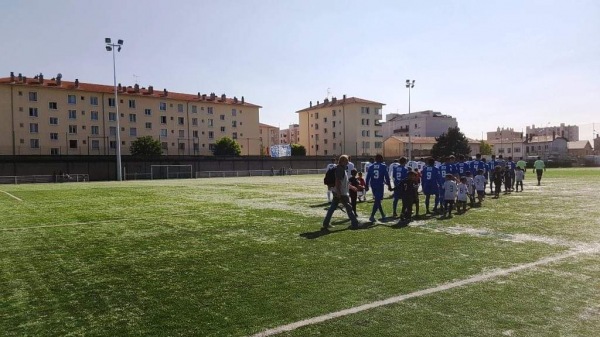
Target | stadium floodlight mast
(111,47)
(409,84)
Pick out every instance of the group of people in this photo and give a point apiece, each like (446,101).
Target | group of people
(452,183)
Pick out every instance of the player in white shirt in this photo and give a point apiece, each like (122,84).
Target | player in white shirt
(450,190)
(480,183)
(329,189)
(463,192)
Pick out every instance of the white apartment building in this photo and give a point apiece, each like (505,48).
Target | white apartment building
(570,132)
(349,126)
(427,123)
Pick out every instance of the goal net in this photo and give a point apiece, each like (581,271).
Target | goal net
(171,171)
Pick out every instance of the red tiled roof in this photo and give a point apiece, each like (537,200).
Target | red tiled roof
(91,87)
(338,102)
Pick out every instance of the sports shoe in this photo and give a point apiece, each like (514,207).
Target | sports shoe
(372,219)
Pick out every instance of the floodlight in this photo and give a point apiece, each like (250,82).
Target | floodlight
(120,42)
(107,40)
(119,48)
(108,48)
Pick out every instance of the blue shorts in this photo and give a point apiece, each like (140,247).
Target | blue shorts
(377,193)
(429,189)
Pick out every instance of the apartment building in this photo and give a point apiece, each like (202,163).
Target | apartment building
(597,145)
(504,135)
(427,123)
(349,125)
(56,117)
(569,132)
(291,135)
(268,135)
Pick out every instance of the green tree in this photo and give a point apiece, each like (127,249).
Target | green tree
(451,142)
(146,147)
(298,150)
(485,148)
(227,147)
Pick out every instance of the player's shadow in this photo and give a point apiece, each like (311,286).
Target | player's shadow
(325,204)
(322,232)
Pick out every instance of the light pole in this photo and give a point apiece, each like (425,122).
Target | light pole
(409,84)
(111,47)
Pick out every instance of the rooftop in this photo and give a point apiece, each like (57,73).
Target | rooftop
(337,102)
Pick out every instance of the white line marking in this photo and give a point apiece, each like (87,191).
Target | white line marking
(443,287)
(10,195)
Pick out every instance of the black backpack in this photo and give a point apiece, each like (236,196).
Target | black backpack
(329,179)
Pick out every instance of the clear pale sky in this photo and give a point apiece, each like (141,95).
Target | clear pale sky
(509,63)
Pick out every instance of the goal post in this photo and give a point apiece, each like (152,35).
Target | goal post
(171,172)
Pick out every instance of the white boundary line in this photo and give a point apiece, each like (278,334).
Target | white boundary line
(10,195)
(443,287)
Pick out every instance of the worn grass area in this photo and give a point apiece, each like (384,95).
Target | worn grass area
(232,257)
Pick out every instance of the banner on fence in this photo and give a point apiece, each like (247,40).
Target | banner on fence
(282,150)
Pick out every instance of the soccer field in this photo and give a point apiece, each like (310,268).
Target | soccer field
(244,256)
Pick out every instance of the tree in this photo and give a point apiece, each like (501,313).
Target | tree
(146,147)
(485,148)
(298,150)
(452,142)
(227,147)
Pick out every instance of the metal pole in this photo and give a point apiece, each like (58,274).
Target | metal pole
(119,177)
(409,129)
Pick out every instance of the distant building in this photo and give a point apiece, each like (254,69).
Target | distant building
(350,125)
(397,146)
(421,124)
(547,147)
(569,132)
(290,135)
(268,135)
(580,149)
(505,135)
(597,145)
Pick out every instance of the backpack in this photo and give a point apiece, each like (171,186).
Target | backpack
(329,179)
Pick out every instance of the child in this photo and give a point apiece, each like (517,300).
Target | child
(480,182)
(463,191)
(361,191)
(470,187)
(407,192)
(353,186)
(498,177)
(417,182)
(450,190)
(519,176)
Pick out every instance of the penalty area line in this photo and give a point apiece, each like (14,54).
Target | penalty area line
(396,299)
(12,196)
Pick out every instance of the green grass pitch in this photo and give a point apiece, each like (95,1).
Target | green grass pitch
(238,256)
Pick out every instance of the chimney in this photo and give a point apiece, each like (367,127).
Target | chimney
(150,89)
(136,88)
(553,134)
(119,88)
(41,78)
(242,99)
(12,76)
(204,97)
(334,99)
(59,79)
(165,92)
(317,103)
(310,104)
(235,100)
(25,79)
(20,77)
(76,83)
(344,98)
(223,97)
(199,95)
(212,96)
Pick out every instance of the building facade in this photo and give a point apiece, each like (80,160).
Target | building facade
(597,145)
(546,147)
(420,124)
(569,132)
(504,135)
(349,125)
(580,149)
(56,117)
(269,135)
(291,135)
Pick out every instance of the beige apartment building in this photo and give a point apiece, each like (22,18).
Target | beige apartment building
(269,135)
(55,117)
(349,125)
(291,135)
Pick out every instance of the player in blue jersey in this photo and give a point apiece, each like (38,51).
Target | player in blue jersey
(461,167)
(399,173)
(491,167)
(430,176)
(445,168)
(509,175)
(377,177)
(477,165)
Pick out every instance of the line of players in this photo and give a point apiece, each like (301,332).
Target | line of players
(452,182)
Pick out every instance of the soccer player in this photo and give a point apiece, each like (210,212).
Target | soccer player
(462,193)
(510,168)
(430,181)
(399,173)
(329,189)
(480,181)
(519,176)
(477,165)
(391,170)
(450,190)
(340,195)
(376,178)
(498,176)
(470,183)
(522,164)
(407,187)
(491,168)
(540,168)
(461,167)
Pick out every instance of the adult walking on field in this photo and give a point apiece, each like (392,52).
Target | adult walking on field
(540,168)
(341,194)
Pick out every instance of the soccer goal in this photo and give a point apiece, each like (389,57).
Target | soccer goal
(171,172)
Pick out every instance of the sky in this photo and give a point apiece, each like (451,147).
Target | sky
(509,63)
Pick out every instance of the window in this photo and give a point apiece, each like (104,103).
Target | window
(517,150)
(53,120)
(133,132)
(148,112)
(112,131)
(53,136)
(112,116)
(194,121)
(71,99)
(209,110)
(222,117)
(72,129)
(52,106)
(148,125)
(72,114)
(95,144)
(33,112)
(179,107)
(132,118)
(222,129)
(132,103)
(164,145)
(378,145)
(211,135)
(333,113)
(73,143)
(94,115)
(364,110)
(194,109)
(181,133)
(34,143)
(234,135)
(111,102)
(163,132)
(180,120)
(112,144)
(95,130)
(163,119)
(233,112)
(162,106)
(210,122)
(54,151)
(33,96)
(33,127)
(195,133)
(316,126)
(94,100)
(234,124)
